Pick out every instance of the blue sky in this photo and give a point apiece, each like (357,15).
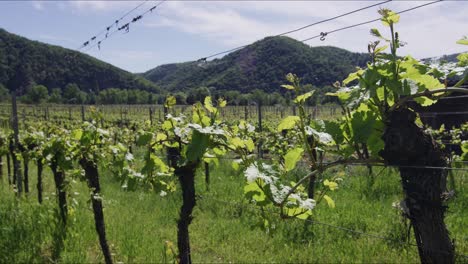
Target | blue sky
(188,30)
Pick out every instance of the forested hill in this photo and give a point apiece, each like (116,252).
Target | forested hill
(262,65)
(56,67)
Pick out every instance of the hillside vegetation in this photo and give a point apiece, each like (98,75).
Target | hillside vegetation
(261,65)
(56,67)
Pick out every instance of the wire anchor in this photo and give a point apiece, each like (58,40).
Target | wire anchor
(323,35)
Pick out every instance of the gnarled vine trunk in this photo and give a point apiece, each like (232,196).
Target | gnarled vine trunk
(92,176)
(1,168)
(311,187)
(26,174)
(59,179)
(407,146)
(186,175)
(39,180)
(8,168)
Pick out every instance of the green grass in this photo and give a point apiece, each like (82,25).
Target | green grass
(140,225)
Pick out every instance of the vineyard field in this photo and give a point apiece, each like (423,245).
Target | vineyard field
(140,113)
(142,224)
(378,177)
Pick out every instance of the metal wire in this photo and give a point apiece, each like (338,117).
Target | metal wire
(327,224)
(323,34)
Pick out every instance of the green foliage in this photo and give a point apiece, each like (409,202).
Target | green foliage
(73,95)
(53,66)
(55,96)
(292,157)
(4,93)
(259,66)
(36,94)
(463,41)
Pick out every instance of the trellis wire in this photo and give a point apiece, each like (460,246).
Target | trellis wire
(372,235)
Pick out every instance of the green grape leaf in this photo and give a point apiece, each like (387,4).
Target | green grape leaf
(288,123)
(342,95)
(463,41)
(305,215)
(159,164)
(198,145)
(389,17)
(329,201)
(380,49)
(161,137)
(463,59)
(222,103)
(331,185)
(362,125)
(292,157)
(235,165)
(77,134)
(249,144)
(209,105)
(375,143)
(375,32)
(144,139)
(303,97)
(287,86)
(424,101)
(253,192)
(353,76)
(334,129)
(464,147)
(170,101)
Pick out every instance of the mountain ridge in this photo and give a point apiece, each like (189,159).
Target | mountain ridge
(261,65)
(55,67)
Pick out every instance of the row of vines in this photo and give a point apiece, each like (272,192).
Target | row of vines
(377,127)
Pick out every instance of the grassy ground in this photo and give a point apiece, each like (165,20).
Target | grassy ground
(141,226)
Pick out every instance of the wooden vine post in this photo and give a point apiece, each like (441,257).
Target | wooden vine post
(83,118)
(39,163)
(14,148)
(260,128)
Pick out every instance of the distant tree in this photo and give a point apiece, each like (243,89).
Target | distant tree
(197,94)
(181,98)
(244,99)
(73,95)
(232,97)
(55,96)
(36,94)
(259,96)
(91,98)
(4,93)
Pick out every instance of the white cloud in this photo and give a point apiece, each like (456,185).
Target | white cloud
(233,23)
(215,22)
(100,6)
(429,31)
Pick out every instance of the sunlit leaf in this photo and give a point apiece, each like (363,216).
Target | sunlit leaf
(170,101)
(288,123)
(292,157)
(329,201)
(303,97)
(287,86)
(209,104)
